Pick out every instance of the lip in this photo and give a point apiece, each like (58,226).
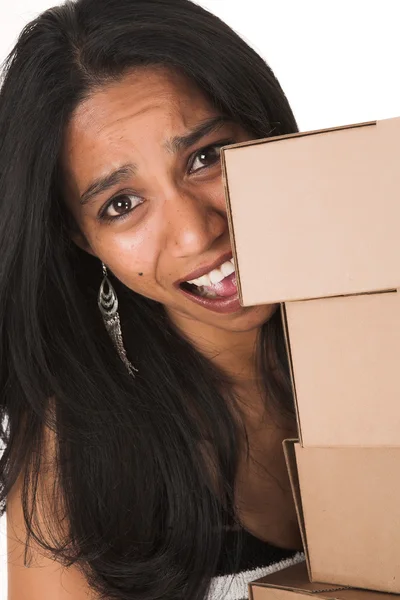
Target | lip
(205,269)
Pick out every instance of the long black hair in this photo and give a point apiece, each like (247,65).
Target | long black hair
(143,469)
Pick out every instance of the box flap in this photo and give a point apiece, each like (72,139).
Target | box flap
(286,335)
(295,578)
(230,222)
(290,458)
(293,584)
(344,360)
(318,211)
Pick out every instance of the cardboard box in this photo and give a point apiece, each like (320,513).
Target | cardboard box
(344,357)
(345,361)
(315,214)
(293,584)
(348,507)
(313,220)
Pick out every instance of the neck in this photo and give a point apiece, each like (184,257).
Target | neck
(234,352)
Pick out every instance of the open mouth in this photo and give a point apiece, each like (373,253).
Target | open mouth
(217,284)
(198,290)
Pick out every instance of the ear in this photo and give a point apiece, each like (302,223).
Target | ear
(78,237)
(80,240)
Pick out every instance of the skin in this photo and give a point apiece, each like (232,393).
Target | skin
(179,224)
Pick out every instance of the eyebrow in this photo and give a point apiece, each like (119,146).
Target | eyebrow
(108,181)
(204,128)
(174,145)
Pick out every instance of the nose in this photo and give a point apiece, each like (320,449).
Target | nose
(195,223)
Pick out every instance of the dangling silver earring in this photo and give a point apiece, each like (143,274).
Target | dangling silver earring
(108,305)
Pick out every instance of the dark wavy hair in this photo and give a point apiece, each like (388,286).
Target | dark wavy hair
(144,467)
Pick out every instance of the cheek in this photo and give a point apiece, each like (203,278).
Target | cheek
(132,258)
(216,193)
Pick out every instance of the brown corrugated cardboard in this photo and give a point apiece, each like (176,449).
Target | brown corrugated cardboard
(313,219)
(348,507)
(345,359)
(315,214)
(293,584)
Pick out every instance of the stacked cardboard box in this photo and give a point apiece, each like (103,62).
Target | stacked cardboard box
(314,221)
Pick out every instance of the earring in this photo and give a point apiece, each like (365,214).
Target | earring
(108,305)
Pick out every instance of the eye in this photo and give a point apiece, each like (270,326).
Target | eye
(119,207)
(207,156)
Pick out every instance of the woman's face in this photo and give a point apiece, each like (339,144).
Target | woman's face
(144,185)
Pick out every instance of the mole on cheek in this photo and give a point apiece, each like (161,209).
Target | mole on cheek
(140,273)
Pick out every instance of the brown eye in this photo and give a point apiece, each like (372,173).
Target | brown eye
(120,207)
(206,157)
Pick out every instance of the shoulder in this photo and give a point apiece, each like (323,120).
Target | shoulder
(33,574)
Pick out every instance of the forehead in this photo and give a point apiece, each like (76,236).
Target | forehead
(146,102)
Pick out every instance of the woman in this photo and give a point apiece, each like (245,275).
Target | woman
(144,408)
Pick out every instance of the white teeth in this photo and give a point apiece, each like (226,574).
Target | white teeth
(216,275)
(203,280)
(227,268)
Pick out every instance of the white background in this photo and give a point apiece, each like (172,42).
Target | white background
(337,61)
